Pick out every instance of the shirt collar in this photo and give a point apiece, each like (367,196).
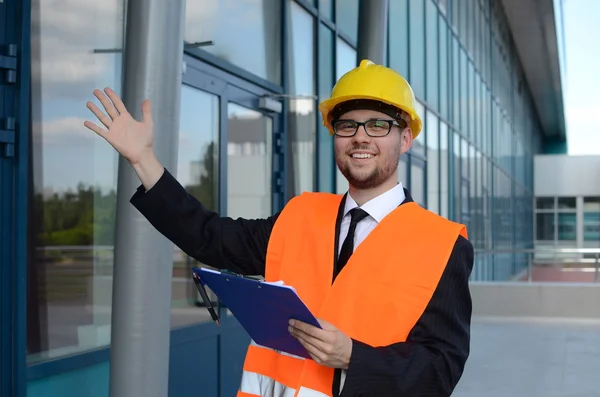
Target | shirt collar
(380,206)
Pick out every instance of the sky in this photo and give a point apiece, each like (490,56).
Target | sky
(582,77)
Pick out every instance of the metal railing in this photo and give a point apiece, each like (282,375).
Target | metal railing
(529,264)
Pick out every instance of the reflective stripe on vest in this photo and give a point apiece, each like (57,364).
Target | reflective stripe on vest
(377,298)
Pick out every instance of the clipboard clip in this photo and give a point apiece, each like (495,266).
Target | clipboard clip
(206,299)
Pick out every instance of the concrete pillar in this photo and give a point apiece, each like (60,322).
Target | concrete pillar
(372,30)
(141,304)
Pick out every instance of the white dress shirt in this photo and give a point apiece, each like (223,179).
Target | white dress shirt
(377,208)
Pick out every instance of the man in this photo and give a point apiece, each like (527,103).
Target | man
(395,314)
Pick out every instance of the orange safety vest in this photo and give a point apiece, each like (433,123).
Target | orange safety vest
(390,277)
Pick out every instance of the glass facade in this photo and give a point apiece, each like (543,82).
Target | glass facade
(473,162)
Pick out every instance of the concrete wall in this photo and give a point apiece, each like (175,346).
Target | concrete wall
(563,175)
(536,300)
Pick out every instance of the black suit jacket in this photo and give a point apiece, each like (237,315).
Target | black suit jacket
(429,363)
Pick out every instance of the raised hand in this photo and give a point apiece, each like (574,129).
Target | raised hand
(132,139)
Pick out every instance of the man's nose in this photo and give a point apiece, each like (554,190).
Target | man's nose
(361,135)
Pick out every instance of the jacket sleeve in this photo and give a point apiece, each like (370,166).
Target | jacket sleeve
(239,245)
(432,360)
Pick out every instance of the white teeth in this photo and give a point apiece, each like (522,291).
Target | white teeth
(362,156)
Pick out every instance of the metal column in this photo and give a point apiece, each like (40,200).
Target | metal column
(372,30)
(141,305)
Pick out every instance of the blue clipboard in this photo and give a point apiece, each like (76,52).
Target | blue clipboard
(263,309)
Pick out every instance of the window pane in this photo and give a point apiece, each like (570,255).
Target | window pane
(456,175)
(74,179)
(567,203)
(302,118)
(455,87)
(567,227)
(346,60)
(544,203)
(591,226)
(346,16)
(326,8)
(398,40)
(417,46)
(249,168)
(443,5)
(464,104)
(257,22)
(444,170)
(433,171)
(197,171)
(326,170)
(591,220)
(432,54)
(418,144)
(417,182)
(545,227)
(403,170)
(444,71)
(591,204)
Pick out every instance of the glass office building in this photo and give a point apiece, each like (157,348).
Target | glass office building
(489,93)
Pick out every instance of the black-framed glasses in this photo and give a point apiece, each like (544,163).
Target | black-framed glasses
(374,127)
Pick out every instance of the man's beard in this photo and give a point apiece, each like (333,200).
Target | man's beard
(375,178)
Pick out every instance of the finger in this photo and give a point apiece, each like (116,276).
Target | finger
(99,114)
(147,111)
(100,131)
(108,105)
(116,100)
(315,353)
(319,344)
(308,329)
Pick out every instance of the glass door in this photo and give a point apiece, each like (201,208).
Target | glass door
(249,159)
(229,156)
(225,160)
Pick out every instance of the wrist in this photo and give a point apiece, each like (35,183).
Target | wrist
(347,355)
(148,169)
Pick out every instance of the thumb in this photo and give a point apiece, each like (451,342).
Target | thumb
(147,111)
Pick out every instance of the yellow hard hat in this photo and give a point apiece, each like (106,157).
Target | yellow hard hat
(373,82)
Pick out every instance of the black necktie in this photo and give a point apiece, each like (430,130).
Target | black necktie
(357,215)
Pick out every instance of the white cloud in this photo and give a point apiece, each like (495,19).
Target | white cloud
(64,36)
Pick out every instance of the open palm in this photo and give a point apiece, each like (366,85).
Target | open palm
(131,138)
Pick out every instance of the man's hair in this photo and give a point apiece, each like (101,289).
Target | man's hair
(402,117)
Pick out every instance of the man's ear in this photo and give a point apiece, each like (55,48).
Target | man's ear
(406,140)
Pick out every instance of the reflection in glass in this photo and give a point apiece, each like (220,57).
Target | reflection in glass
(245,33)
(444,170)
(432,53)
(326,163)
(591,221)
(347,17)
(398,36)
(326,8)
(249,163)
(302,110)
(345,61)
(418,145)
(417,182)
(197,171)
(73,192)
(444,70)
(567,227)
(433,162)
(417,46)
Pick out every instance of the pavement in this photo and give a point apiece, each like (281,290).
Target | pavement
(532,357)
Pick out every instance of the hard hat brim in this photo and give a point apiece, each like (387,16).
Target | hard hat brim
(328,105)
